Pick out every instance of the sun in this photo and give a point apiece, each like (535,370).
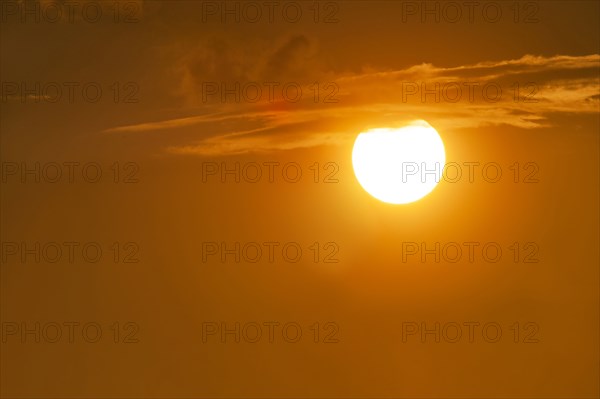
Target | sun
(399,165)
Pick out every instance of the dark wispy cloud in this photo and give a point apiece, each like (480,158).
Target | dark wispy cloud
(522,93)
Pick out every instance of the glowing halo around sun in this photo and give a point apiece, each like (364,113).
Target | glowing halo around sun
(399,165)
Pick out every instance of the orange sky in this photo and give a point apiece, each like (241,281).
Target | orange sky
(521,90)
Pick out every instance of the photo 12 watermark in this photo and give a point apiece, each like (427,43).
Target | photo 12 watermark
(71,252)
(69,172)
(69,332)
(269,172)
(69,92)
(271,12)
(269,92)
(472,332)
(270,332)
(469,252)
(470,12)
(269,252)
(70,12)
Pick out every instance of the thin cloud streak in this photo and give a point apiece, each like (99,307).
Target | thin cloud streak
(561,84)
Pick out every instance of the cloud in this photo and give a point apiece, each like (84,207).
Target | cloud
(221,62)
(522,93)
(291,58)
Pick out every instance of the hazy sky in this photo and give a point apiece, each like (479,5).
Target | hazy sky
(138,128)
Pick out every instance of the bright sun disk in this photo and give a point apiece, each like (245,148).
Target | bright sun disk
(399,165)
